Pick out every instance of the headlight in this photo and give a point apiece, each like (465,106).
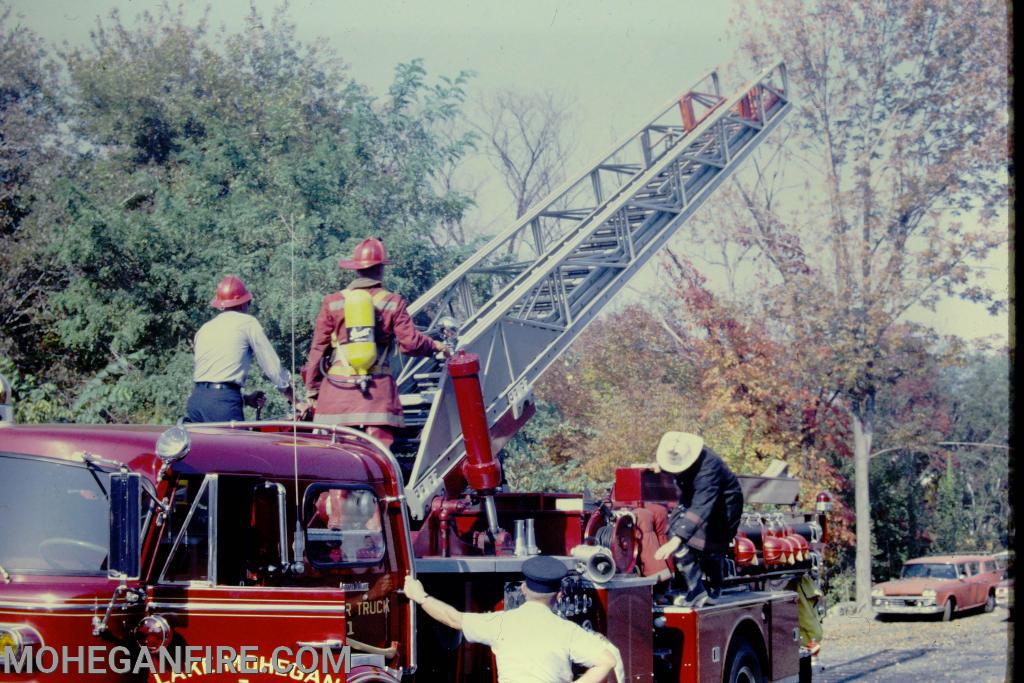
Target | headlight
(10,643)
(173,444)
(877,592)
(928,593)
(14,639)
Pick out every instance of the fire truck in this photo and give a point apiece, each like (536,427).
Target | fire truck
(254,536)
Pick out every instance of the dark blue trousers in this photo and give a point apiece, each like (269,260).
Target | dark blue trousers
(215,403)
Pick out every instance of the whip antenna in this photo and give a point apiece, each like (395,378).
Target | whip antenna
(298,545)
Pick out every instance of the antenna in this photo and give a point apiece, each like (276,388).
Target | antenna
(298,545)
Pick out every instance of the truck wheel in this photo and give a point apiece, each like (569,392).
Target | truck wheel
(947,611)
(990,603)
(744,665)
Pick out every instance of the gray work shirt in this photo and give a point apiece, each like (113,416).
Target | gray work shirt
(226,345)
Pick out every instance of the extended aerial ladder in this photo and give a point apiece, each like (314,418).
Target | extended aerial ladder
(522,299)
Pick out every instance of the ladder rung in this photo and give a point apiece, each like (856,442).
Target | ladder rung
(426,376)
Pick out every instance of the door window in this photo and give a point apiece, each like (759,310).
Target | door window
(343,526)
(189,557)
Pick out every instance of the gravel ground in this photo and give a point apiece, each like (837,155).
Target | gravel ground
(974,648)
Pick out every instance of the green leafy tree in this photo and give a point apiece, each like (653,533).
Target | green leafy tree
(950,527)
(200,155)
(977,392)
(30,152)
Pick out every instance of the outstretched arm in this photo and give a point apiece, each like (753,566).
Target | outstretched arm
(440,610)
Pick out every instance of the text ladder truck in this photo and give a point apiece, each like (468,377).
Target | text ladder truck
(272,550)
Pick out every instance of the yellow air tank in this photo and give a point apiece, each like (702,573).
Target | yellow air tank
(361,348)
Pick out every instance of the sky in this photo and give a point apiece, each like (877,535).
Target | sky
(618,61)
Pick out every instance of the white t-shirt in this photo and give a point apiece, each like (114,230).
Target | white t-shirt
(532,644)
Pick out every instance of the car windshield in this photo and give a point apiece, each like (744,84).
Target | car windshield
(933,571)
(54,517)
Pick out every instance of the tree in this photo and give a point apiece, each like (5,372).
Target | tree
(30,114)
(260,157)
(528,139)
(899,139)
(950,524)
(977,393)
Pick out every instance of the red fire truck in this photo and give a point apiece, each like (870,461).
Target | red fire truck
(249,544)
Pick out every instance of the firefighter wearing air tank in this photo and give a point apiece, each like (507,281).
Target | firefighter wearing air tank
(710,507)
(347,377)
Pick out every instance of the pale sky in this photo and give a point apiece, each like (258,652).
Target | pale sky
(619,61)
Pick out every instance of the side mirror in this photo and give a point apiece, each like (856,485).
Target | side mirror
(123,557)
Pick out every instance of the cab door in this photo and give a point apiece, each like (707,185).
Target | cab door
(226,584)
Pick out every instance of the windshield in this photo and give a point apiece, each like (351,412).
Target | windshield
(54,517)
(933,571)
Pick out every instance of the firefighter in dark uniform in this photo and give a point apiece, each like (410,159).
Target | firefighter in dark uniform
(710,507)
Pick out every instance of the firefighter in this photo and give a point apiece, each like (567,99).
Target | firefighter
(224,349)
(530,642)
(710,506)
(347,377)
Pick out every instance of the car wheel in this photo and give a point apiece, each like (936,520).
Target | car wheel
(947,611)
(744,665)
(990,604)
(882,617)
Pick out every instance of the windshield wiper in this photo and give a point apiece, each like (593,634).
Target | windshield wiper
(92,465)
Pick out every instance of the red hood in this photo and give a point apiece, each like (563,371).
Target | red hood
(60,609)
(912,586)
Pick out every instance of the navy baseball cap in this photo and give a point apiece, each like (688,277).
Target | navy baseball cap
(544,574)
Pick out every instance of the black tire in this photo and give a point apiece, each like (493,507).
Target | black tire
(743,664)
(990,602)
(882,617)
(949,609)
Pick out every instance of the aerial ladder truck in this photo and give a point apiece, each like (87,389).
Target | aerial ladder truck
(244,524)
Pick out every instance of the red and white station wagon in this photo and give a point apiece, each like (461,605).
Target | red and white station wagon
(943,584)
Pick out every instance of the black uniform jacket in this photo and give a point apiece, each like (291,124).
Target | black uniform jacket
(713,502)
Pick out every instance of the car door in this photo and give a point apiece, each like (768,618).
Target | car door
(964,589)
(977,581)
(214,590)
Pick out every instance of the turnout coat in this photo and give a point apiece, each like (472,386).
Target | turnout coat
(340,402)
(710,504)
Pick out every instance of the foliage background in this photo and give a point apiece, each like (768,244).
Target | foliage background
(139,169)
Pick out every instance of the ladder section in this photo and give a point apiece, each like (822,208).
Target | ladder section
(521,300)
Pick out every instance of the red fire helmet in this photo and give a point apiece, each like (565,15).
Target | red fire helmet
(745,552)
(369,252)
(773,551)
(231,292)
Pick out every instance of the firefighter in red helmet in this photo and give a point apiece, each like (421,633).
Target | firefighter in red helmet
(224,349)
(340,391)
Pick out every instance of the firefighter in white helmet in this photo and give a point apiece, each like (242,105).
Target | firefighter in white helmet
(710,506)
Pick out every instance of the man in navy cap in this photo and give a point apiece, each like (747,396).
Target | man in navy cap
(530,642)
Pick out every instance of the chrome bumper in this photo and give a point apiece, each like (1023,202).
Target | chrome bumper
(893,604)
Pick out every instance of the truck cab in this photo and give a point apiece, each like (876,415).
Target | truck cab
(234,539)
